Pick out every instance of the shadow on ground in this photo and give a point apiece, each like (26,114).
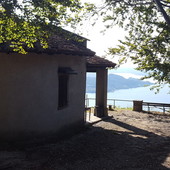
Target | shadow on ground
(97,148)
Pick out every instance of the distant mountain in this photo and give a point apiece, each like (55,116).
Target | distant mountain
(116,82)
(125,70)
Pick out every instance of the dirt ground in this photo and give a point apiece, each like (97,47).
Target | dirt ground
(127,141)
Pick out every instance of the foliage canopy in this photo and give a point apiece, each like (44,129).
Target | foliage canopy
(29,21)
(148,41)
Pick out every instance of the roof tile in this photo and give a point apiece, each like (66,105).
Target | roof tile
(95,61)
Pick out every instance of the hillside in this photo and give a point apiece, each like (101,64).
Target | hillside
(116,82)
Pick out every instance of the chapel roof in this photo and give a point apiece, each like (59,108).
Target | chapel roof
(62,42)
(94,62)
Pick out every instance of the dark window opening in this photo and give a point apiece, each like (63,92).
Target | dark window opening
(63,90)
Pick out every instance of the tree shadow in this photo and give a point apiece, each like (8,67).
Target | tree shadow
(97,148)
(150,150)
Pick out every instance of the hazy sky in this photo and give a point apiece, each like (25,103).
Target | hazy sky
(100,42)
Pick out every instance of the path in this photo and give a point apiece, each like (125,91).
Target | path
(128,141)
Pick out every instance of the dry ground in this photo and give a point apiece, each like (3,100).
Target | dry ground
(128,141)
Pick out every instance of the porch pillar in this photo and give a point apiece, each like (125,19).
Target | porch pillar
(101,93)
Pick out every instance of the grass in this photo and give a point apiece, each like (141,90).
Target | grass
(121,108)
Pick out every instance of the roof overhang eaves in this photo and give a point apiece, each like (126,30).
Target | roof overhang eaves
(95,68)
(101,65)
(53,52)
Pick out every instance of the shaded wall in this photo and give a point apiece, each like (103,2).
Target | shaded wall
(29,94)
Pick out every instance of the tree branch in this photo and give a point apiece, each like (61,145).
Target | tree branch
(165,15)
(129,3)
(165,3)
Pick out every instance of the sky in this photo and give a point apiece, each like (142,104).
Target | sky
(100,42)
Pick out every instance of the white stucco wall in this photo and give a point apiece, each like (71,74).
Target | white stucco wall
(29,93)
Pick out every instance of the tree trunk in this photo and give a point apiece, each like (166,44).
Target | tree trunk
(165,15)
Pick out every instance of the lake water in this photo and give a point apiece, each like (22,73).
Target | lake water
(141,93)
